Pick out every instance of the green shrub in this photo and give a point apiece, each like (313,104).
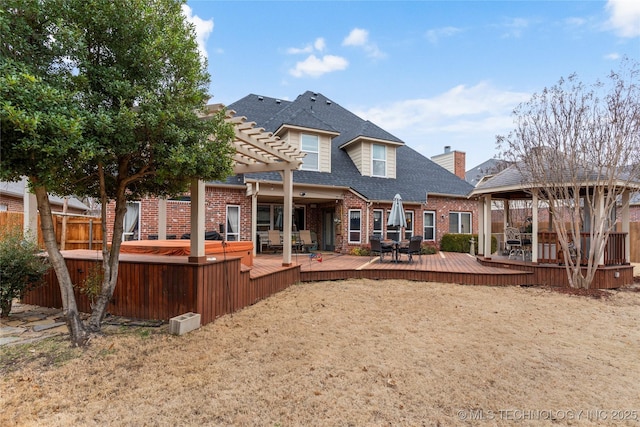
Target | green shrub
(360,251)
(460,243)
(428,248)
(21,268)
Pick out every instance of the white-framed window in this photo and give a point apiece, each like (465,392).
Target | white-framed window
(378,160)
(4,207)
(232,233)
(378,221)
(310,144)
(355,225)
(460,222)
(408,231)
(131,229)
(429,226)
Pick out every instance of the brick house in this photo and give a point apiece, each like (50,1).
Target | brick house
(342,191)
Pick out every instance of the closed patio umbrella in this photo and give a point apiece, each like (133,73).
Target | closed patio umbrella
(397,217)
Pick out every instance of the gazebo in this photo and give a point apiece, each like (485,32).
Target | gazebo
(511,185)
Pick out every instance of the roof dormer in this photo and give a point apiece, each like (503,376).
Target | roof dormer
(373,157)
(315,143)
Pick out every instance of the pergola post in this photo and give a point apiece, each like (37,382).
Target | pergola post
(162,218)
(287,209)
(197,253)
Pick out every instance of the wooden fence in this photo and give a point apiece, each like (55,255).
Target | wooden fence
(72,231)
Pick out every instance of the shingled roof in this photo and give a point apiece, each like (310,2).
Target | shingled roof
(416,175)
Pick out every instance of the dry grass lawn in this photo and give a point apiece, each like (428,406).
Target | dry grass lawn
(362,353)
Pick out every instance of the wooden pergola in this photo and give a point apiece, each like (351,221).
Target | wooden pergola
(256,151)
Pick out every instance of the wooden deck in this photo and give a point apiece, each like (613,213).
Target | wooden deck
(445,267)
(161,287)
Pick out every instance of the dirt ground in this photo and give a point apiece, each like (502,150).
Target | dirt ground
(361,353)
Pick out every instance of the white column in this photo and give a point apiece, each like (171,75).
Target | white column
(534,229)
(487,225)
(197,221)
(253,192)
(30,209)
(599,194)
(162,218)
(626,227)
(287,185)
(481,226)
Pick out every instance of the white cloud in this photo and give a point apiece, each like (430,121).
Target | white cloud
(436,34)
(614,56)
(465,117)
(315,67)
(624,17)
(319,45)
(203,28)
(300,50)
(359,37)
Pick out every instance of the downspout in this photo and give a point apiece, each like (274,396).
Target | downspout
(366,239)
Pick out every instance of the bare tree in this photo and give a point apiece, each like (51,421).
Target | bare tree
(578,146)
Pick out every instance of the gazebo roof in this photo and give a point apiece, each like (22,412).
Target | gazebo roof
(514,183)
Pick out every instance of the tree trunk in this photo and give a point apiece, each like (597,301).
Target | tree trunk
(77,331)
(5,306)
(110,256)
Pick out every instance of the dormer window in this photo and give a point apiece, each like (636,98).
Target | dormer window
(379,160)
(310,145)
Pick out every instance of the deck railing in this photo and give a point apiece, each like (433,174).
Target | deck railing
(550,252)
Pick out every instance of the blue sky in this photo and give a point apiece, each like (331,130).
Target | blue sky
(433,73)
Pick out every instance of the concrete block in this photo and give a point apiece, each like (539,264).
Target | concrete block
(184,323)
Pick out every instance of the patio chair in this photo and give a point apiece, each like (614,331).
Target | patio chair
(414,248)
(274,240)
(378,248)
(513,242)
(308,244)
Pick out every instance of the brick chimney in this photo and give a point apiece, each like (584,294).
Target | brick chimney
(459,164)
(453,161)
